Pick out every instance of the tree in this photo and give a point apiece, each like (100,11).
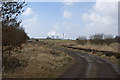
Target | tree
(97,36)
(97,39)
(13,34)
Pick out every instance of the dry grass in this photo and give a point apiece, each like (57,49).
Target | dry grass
(113,47)
(41,63)
(58,42)
(111,59)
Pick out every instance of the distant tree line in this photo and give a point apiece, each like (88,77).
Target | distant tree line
(98,39)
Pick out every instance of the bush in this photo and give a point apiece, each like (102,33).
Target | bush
(109,41)
(100,39)
(10,63)
(82,42)
(97,41)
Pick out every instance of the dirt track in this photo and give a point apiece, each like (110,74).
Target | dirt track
(88,66)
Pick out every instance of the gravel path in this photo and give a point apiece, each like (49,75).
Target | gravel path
(88,66)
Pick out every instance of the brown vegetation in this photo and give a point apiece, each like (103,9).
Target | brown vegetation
(38,62)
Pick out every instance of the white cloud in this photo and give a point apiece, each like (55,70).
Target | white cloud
(91,17)
(68,3)
(28,12)
(67,14)
(107,0)
(54,33)
(106,8)
(31,22)
(103,19)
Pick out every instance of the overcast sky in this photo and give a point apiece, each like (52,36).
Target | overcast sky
(42,19)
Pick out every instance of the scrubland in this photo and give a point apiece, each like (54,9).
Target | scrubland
(36,61)
(114,47)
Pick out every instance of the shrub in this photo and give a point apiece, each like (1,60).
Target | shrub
(97,41)
(10,63)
